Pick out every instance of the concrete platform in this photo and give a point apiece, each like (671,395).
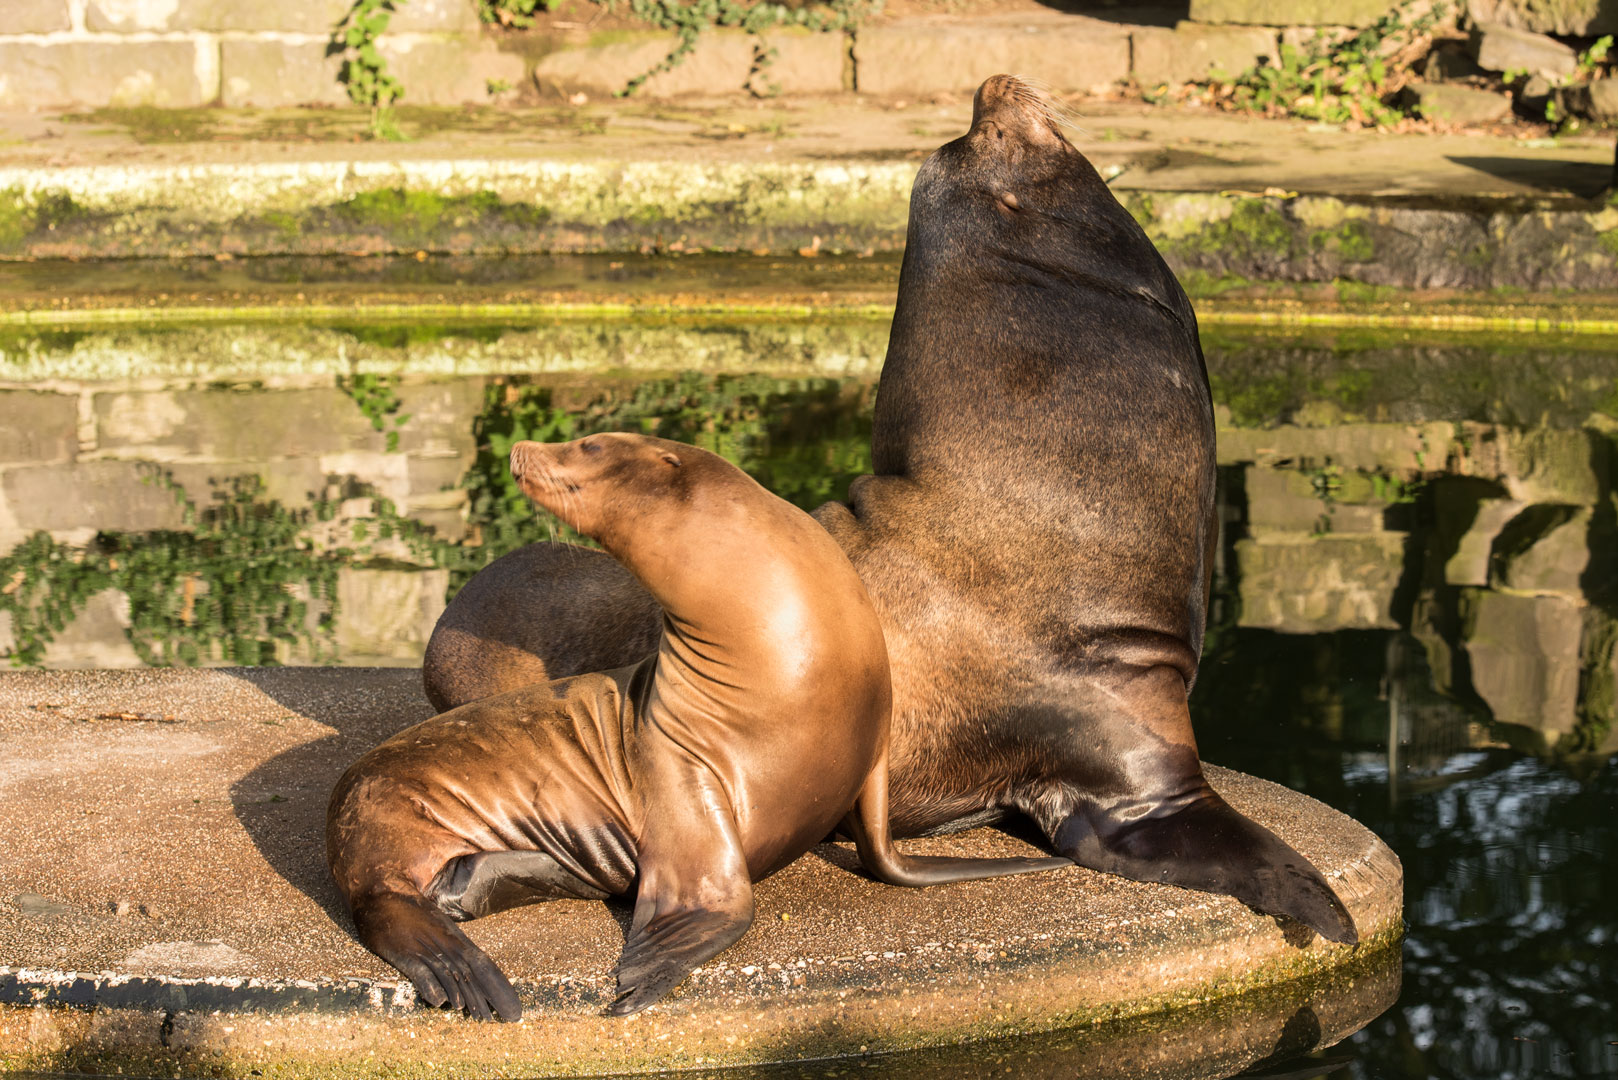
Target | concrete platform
(164,906)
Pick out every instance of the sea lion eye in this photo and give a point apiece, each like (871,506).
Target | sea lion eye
(671,458)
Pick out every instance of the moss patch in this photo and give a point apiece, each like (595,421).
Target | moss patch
(1255,227)
(22,217)
(1350,241)
(416,217)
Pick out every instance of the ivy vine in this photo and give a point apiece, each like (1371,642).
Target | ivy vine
(365,71)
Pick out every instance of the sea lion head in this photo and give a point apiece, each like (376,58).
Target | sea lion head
(597,483)
(653,504)
(1014,191)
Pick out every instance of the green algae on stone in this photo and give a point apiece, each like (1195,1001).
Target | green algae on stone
(416,217)
(1351,241)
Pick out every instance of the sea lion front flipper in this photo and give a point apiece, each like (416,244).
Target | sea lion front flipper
(695,896)
(1160,821)
(868,824)
(432,952)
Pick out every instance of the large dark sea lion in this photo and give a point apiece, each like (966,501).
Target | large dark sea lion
(1039,534)
(759,724)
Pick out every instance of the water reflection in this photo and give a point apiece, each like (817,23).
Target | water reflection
(1416,617)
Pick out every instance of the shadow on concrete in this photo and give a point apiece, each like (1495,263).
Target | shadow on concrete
(282,802)
(1149,13)
(1585,179)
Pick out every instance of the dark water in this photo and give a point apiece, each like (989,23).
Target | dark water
(1416,616)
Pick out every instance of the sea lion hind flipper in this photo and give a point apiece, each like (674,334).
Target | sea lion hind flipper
(410,933)
(1208,846)
(868,824)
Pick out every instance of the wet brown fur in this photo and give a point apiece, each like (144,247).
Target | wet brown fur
(759,723)
(1038,535)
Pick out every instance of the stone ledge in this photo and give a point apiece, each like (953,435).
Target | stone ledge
(162,938)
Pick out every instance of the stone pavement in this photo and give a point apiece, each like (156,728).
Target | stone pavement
(163,871)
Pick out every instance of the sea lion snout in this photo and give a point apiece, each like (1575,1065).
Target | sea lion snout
(528,459)
(1006,107)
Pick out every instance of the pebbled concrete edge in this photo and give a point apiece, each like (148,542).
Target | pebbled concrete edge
(1175,961)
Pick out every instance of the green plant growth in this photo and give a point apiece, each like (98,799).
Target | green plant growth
(365,72)
(413,217)
(235,585)
(689,18)
(378,399)
(1349,82)
(517,14)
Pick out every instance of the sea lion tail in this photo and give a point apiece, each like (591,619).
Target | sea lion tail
(873,838)
(410,933)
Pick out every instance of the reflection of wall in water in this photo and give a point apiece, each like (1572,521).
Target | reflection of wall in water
(81,458)
(1495,546)
(136,576)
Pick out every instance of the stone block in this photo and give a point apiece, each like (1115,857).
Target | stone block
(94,73)
(1534,94)
(719,65)
(807,63)
(1457,502)
(1290,12)
(303,17)
(1285,500)
(292,483)
(34,17)
(441,418)
(1397,449)
(1597,100)
(1449,63)
(923,56)
(1544,550)
(132,16)
(1575,18)
(431,479)
(436,16)
(38,427)
(1502,48)
(276,16)
(1321,584)
(110,495)
(1189,52)
(265,73)
(97,637)
(1524,654)
(1551,465)
(449,71)
(387,615)
(1462,106)
(251,426)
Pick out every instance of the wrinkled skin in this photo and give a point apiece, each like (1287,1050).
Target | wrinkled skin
(757,726)
(1039,532)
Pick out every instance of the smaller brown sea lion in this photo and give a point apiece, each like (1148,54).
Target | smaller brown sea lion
(760,723)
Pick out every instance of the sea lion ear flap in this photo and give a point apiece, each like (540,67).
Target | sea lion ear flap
(671,457)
